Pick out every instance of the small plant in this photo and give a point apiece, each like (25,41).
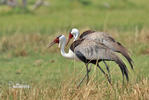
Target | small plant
(85,2)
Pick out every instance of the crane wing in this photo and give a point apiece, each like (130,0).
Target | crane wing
(107,40)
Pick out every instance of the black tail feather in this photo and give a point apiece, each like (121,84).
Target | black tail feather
(130,61)
(125,54)
(123,68)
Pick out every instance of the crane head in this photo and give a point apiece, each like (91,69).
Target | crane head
(56,40)
(74,33)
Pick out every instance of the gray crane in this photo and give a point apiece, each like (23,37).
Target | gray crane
(104,38)
(89,51)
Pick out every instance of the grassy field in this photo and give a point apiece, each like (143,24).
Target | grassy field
(25,58)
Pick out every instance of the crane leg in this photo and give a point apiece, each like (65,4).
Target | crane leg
(86,75)
(123,78)
(107,67)
(104,73)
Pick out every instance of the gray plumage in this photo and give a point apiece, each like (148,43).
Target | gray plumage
(90,51)
(107,40)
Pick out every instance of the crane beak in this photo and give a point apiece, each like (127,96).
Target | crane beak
(67,42)
(51,44)
(70,37)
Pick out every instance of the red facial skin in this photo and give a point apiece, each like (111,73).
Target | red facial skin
(56,40)
(70,37)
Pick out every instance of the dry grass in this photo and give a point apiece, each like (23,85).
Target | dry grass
(92,91)
(38,42)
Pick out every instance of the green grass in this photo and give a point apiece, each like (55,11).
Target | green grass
(24,58)
(63,16)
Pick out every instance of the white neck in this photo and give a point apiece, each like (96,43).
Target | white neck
(70,54)
(76,36)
